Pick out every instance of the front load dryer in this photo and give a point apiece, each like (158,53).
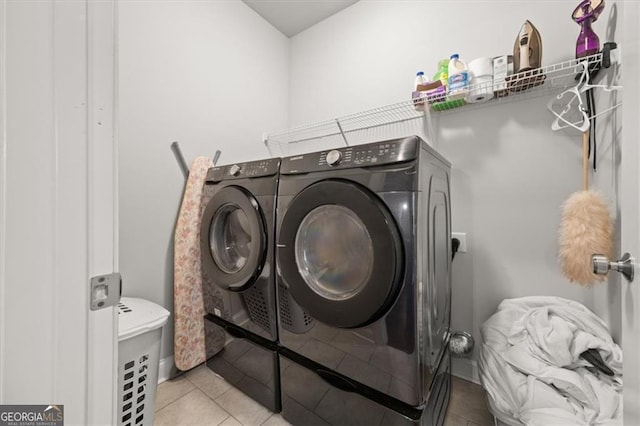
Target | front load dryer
(364,284)
(237,261)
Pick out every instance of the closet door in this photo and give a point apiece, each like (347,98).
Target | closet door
(629,196)
(58,212)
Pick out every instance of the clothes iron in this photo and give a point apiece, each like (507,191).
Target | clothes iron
(585,14)
(527,50)
(527,59)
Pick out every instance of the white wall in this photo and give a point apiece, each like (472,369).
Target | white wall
(511,173)
(211,75)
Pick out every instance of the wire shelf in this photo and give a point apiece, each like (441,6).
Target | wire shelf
(533,83)
(525,85)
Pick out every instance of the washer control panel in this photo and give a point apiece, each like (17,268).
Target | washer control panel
(364,155)
(368,155)
(251,169)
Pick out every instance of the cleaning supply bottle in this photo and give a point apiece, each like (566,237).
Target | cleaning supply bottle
(438,95)
(420,79)
(443,72)
(419,93)
(441,103)
(458,78)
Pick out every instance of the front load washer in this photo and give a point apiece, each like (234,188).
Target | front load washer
(364,284)
(237,261)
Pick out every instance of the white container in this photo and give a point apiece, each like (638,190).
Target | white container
(480,80)
(139,333)
(502,68)
(418,95)
(458,78)
(420,79)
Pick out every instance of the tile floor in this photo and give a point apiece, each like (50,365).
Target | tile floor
(201,398)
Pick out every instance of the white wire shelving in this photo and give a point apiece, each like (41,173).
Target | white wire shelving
(525,85)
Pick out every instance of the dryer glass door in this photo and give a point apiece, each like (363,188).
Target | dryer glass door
(334,252)
(233,239)
(230,238)
(340,253)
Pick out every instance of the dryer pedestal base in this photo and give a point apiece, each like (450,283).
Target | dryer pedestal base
(307,399)
(248,366)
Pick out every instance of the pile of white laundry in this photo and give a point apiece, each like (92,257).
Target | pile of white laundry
(531,368)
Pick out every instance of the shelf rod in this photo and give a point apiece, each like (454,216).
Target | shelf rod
(342,133)
(370,126)
(310,138)
(175,147)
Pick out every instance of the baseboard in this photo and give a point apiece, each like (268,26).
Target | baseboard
(465,368)
(164,370)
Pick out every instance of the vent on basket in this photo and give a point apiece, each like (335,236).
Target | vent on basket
(122,308)
(258,308)
(134,398)
(292,316)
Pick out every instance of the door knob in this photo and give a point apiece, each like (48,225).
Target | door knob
(625,266)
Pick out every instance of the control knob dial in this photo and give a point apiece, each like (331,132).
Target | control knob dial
(334,157)
(234,170)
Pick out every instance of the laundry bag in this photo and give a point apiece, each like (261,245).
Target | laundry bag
(550,361)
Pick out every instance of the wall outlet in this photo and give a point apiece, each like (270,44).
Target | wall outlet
(462,237)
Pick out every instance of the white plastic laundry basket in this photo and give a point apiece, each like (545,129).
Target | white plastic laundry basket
(139,334)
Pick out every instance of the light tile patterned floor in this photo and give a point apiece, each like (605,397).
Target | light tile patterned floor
(201,398)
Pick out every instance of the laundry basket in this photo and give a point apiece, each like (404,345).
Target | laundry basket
(139,333)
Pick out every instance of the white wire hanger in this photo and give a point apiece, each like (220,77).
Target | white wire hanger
(574,94)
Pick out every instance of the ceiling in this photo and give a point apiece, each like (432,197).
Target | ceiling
(294,16)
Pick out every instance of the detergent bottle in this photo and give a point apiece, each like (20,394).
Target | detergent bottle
(443,72)
(438,95)
(419,94)
(420,80)
(458,78)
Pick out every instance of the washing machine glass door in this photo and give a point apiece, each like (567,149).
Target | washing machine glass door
(340,253)
(233,239)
